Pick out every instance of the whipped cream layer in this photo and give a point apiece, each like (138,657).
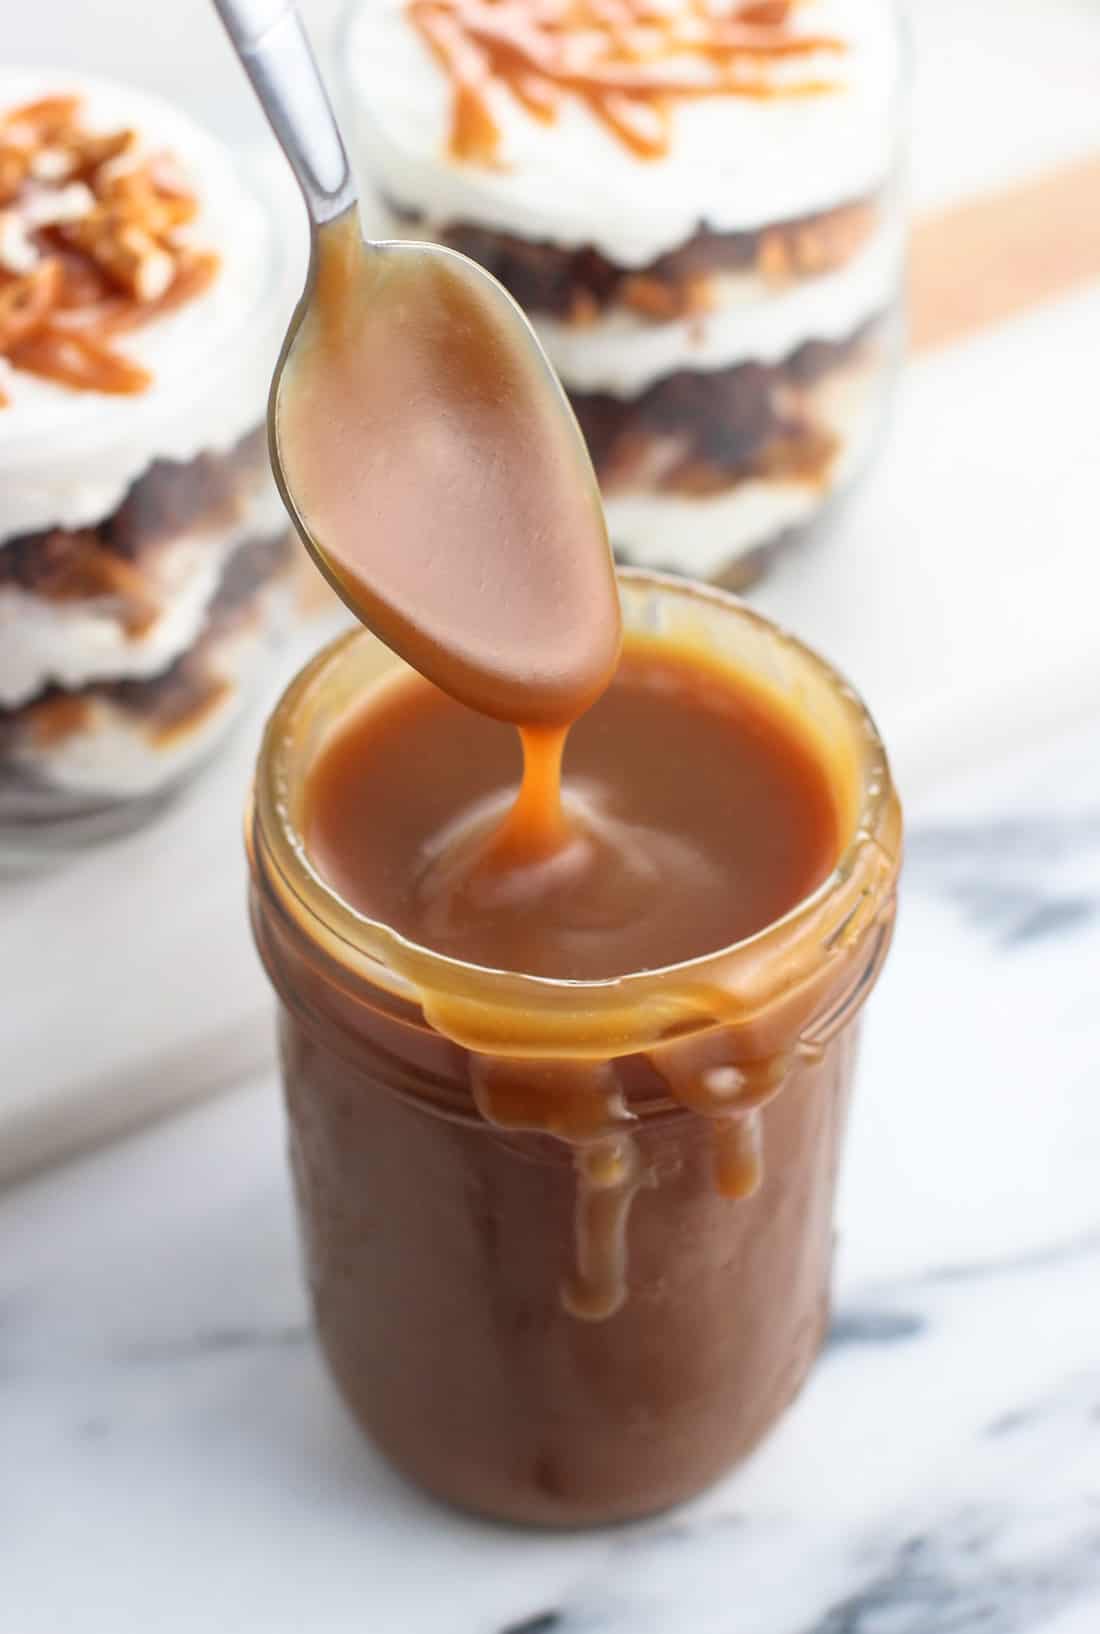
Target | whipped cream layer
(706,534)
(116,754)
(734,162)
(67,458)
(74,643)
(700,536)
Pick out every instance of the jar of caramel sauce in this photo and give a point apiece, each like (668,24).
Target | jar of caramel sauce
(569,1241)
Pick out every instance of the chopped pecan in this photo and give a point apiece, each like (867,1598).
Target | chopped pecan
(84,286)
(650,297)
(195,272)
(659,301)
(136,194)
(129,254)
(90,151)
(36,124)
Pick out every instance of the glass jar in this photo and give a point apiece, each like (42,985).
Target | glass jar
(569,1331)
(716,278)
(144,551)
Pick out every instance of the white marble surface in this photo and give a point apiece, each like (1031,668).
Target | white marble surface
(174,1459)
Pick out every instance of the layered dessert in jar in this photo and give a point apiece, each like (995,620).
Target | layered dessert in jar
(698,208)
(143,548)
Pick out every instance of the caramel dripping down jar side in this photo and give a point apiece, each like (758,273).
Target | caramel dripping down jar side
(569,1245)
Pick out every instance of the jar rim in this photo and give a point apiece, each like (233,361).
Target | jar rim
(483,1007)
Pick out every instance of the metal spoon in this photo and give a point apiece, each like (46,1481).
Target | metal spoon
(451,501)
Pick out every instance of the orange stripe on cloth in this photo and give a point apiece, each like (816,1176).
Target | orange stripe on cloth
(988,259)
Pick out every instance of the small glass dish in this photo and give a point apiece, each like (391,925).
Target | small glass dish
(716,277)
(144,552)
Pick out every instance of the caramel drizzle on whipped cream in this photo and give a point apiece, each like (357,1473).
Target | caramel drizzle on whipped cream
(628,60)
(90,246)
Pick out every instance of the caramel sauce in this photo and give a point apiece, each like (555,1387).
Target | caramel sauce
(690,815)
(629,61)
(687,813)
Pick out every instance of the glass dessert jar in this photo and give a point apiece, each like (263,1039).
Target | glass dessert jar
(584,1304)
(143,548)
(698,208)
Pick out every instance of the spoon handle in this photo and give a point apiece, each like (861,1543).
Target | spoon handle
(268,37)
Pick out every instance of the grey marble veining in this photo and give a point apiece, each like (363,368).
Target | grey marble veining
(1022,879)
(996,1535)
(172,1457)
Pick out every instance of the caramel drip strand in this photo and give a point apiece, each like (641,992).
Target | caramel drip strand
(739,1154)
(581,1104)
(80,362)
(577,1101)
(539,95)
(704,1077)
(624,58)
(536,826)
(643,125)
(475,134)
(608,1175)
